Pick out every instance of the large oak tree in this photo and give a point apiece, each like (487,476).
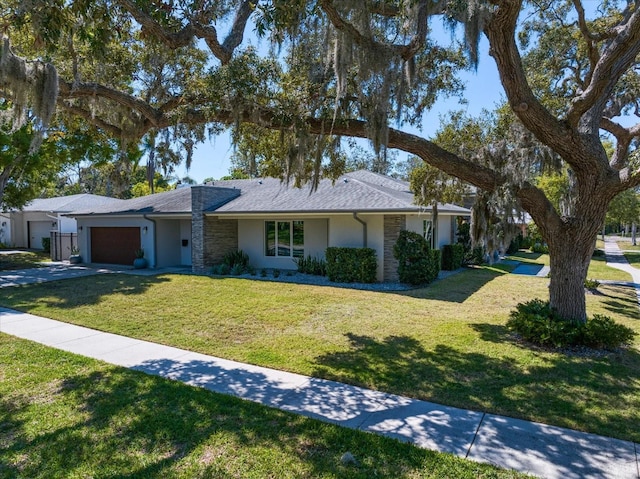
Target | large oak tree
(355,68)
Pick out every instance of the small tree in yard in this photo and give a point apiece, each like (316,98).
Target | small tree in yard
(353,69)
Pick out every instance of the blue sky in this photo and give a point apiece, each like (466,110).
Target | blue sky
(483,90)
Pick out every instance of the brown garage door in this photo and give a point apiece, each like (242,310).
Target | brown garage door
(114,245)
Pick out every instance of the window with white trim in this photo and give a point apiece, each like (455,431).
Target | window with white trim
(284,238)
(427,230)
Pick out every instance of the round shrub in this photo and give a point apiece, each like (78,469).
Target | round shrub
(417,262)
(602,332)
(537,323)
(591,283)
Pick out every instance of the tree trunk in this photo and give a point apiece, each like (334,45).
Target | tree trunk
(570,257)
(633,233)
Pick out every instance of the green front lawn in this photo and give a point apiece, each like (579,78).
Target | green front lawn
(64,416)
(23,260)
(446,343)
(598,268)
(627,246)
(633,258)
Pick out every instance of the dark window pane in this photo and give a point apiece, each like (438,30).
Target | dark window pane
(284,238)
(298,239)
(270,238)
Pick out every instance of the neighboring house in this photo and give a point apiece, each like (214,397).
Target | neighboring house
(272,222)
(25,228)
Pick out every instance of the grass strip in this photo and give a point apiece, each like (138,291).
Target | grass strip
(64,416)
(446,343)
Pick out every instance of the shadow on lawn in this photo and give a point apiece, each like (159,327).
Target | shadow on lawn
(621,299)
(525,256)
(550,388)
(460,286)
(129,424)
(74,292)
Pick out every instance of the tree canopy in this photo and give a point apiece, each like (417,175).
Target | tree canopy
(345,68)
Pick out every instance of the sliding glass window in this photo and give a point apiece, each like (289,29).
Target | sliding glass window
(284,238)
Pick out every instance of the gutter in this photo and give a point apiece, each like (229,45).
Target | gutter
(364,229)
(155,241)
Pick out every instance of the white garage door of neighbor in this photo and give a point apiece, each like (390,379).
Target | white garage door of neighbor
(37,231)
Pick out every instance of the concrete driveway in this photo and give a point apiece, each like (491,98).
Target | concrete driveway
(52,272)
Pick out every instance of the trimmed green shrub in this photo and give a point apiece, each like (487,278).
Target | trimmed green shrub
(46,245)
(418,263)
(452,256)
(540,248)
(309,265)
(476,256)
(602,332)
(351,265)
(518,243)
(537,323)
(525,242)
(591,283)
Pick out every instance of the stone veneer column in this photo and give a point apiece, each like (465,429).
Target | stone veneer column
(220,238)
(393,224)
(211,238)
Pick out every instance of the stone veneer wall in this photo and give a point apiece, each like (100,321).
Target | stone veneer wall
(211,238)
(393,224)
(220,238)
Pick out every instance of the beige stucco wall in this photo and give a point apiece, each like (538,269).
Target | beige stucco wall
(251,234)
(346,231)
(146,239)
(168,242)
(185,234)
(414,223)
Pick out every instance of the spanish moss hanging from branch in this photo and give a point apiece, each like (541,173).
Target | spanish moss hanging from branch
(32,86)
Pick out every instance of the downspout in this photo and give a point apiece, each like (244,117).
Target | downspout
(155,241)
(364,229)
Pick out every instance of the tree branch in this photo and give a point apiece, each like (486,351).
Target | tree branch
(589,39)
(113,130)
(173,40)
(406,52)
(500,31)
(535,202)
(184,37)
(615,60)
(68,91)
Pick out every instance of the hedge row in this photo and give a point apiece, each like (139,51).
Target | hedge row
(452,256)
(351,265)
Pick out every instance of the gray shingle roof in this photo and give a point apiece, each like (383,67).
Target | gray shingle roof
(360,191)
(176,201)
(65,204)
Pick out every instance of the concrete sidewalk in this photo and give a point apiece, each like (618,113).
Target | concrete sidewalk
(615,258)
(538,449)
